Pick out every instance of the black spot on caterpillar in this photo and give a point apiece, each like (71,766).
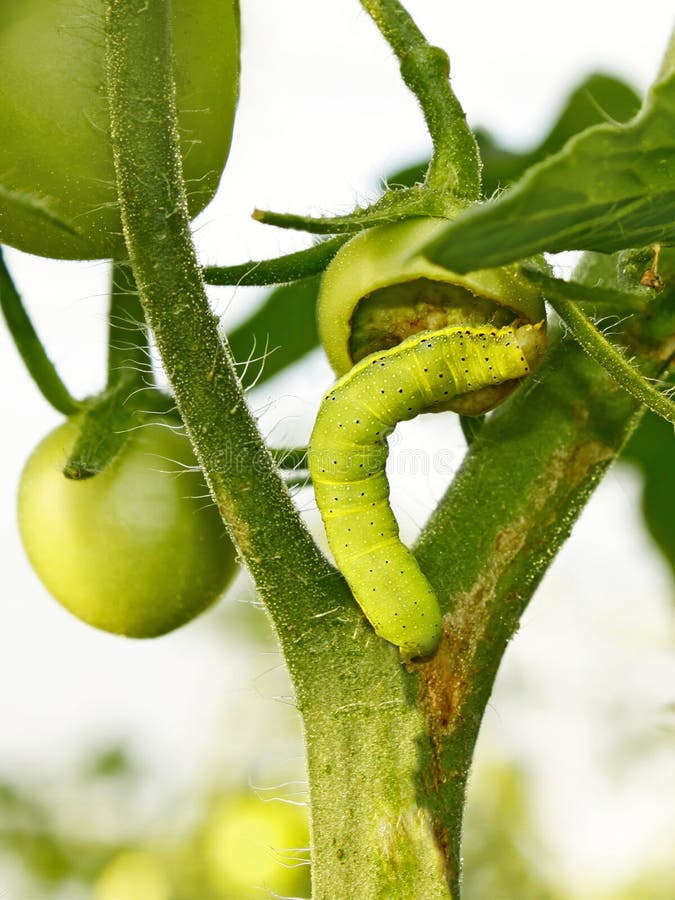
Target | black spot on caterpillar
(348,453)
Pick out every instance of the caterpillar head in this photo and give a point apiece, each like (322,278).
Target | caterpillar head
(378,291)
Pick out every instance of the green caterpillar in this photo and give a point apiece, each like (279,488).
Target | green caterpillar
(348,452)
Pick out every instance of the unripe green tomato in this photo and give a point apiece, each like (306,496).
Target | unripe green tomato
(379,290)
(56,165)
(138,549)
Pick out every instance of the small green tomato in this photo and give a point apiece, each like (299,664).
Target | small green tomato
(137,550)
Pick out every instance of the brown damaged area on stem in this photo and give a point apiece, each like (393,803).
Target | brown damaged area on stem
(455,683)
(447,678)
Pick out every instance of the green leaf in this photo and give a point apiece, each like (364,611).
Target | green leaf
(598,98)
(610,187)
(652,450)
(281,332)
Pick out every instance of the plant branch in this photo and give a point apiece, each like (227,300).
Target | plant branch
(128,350)
(455,165)
(609,357)
(394,206)
(351,689)
(239,469)
(40,367)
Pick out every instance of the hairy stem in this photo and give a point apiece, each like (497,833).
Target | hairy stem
(351,689)
(599,348)
(238,467)
(128,350)
(455,165)
(394,206)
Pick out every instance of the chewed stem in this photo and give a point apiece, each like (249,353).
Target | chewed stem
(348,454)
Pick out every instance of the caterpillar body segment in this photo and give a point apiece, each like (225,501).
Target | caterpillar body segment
(348,454)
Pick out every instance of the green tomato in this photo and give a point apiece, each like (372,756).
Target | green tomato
(57,182)
(137,550)
(379,290)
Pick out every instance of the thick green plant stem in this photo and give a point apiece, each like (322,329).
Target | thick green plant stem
(279,270)
(40,367)
(455,165)
(371,837)
(535,462)
(154,213)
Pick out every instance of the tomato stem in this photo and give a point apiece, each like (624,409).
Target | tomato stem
(31,349)
(104,428)
(610,357)
(395,205)
(128,349)
(455,165)
(239,469)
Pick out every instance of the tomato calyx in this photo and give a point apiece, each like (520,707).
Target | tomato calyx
(107,421)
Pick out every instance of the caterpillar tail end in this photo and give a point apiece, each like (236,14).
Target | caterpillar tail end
(420,650)
(416,637)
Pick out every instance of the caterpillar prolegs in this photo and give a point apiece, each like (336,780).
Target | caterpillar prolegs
(348,453)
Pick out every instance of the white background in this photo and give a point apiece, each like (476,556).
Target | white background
(323,116)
